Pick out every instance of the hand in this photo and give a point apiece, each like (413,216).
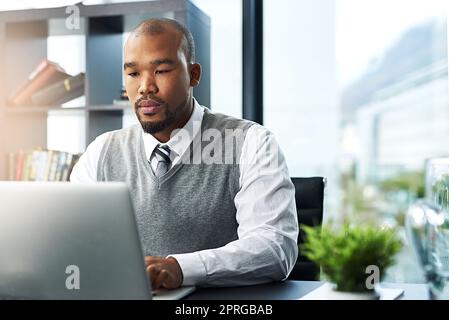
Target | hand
(163,272)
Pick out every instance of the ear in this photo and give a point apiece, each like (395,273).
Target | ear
(195,74)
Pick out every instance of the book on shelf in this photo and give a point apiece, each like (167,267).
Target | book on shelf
(27,166)
(60,167)
(45,74)
(60,92)
(12,159)
(35,165)
(42,165)
(20,161)
(71,160)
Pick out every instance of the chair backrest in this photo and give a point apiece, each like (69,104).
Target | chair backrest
(309,196)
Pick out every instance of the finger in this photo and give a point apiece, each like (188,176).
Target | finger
(160,279)
(153,271)
(171,281)
(151,260)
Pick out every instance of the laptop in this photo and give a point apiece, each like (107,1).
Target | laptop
(72,241)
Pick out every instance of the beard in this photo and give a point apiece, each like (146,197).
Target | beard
(158,126)
(152,127)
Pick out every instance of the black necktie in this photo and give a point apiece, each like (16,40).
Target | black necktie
(162,154)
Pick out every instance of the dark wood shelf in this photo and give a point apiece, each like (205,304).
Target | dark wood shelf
(43,109)
(112,107)
(96,10)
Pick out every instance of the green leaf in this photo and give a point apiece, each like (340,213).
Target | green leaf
(345,253)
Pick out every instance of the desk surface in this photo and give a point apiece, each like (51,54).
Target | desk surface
(291,290)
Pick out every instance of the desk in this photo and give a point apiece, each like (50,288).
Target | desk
(291,290)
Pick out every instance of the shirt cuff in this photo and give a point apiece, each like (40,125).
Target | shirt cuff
(193,270)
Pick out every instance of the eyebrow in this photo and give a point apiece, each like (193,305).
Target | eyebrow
(156,62)
(129,65)
(162,61)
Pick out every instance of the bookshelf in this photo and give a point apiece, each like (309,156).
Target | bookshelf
(24,37)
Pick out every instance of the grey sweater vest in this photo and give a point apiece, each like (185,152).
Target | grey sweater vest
(191,207)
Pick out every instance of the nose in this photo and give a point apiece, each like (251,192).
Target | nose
(148,86)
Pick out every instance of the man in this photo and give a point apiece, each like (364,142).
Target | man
(209,212)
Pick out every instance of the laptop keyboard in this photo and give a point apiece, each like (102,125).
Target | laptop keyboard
(172,294)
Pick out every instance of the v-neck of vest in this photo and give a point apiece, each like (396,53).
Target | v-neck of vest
(160,181)
(166,176)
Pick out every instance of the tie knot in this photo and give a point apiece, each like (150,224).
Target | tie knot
(162,153)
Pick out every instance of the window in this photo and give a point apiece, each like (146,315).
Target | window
(357,91)
(300,86)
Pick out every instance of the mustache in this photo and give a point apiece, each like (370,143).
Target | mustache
(145,98)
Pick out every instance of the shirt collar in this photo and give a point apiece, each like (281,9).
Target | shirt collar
(178,143)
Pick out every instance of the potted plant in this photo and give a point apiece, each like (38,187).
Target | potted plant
(349,254)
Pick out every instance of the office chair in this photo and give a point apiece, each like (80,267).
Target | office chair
(309,196)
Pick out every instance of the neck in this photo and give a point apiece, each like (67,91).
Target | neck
(183,118)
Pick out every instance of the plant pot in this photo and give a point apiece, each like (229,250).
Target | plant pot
(327,292)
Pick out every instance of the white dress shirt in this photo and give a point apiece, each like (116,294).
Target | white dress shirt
(266,211)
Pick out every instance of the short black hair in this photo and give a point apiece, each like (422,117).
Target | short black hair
(156,26)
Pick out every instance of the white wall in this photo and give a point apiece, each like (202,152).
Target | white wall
(66,130)
(226,54)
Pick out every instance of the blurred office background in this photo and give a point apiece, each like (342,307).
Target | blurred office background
(354,90)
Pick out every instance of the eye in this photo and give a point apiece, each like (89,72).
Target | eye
(162,71)
(133,74)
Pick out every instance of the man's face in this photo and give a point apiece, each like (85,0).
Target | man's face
(157,79)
